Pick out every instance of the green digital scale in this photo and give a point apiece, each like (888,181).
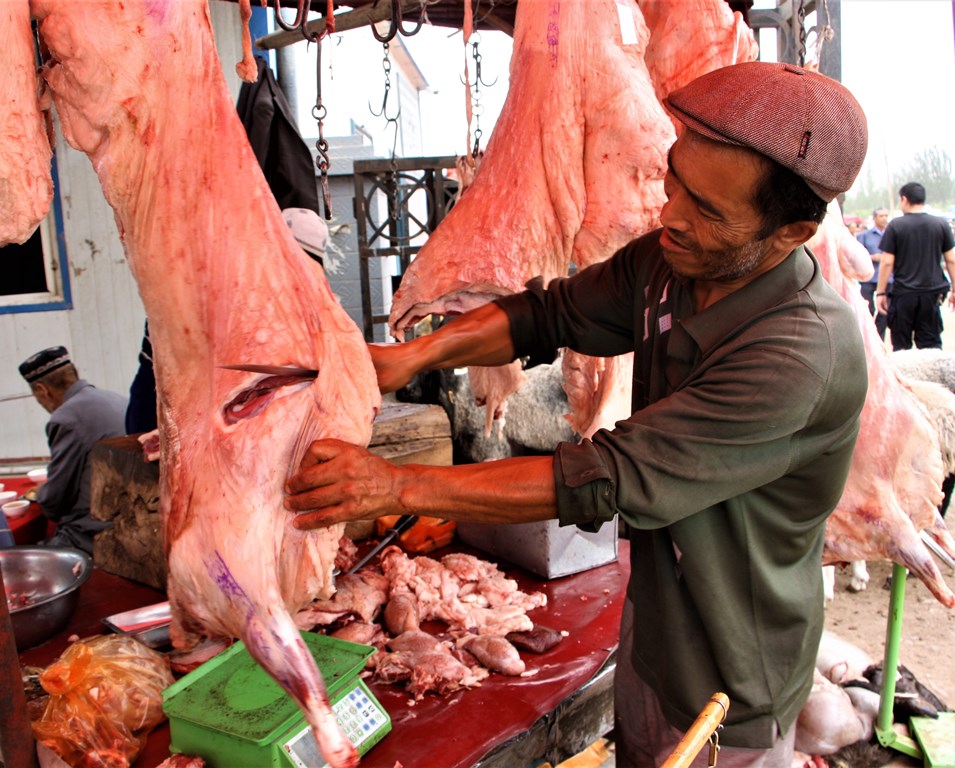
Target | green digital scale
(232,714)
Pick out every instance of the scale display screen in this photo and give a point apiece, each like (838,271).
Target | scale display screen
(362,719)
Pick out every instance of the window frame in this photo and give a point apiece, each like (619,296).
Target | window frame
(52,236)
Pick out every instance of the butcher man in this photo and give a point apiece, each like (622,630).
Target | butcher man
(749,378)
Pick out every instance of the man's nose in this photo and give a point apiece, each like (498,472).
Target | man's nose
(672,215)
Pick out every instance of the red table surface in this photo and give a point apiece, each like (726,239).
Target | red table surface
(452,731)
(30,527)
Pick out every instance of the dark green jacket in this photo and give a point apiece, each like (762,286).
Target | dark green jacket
(745,419)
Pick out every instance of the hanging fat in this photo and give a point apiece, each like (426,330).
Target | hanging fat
(26,182)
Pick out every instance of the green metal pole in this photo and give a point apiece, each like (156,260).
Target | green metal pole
(884,729)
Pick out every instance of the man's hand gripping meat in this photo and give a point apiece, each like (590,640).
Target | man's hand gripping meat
(338,481)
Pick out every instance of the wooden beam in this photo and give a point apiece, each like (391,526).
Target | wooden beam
(361,17)
(495,20)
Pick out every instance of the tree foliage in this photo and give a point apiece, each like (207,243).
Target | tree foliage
(931,167)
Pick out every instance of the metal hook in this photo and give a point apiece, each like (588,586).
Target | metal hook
(384,107)
(386,66)
(301,16)
(477,57)
(396,26)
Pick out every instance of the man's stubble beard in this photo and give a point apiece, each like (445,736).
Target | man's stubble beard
(725,265)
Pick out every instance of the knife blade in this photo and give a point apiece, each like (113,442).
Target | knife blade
(275,370)
(403,523)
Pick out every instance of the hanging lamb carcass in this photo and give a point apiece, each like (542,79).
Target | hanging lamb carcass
(139,88)
(895,481)
(574,169)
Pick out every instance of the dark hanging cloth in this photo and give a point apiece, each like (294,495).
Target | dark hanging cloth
(282,153)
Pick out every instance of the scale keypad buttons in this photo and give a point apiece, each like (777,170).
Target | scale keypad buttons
(358,715)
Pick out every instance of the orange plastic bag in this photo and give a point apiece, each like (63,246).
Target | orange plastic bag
(105,697)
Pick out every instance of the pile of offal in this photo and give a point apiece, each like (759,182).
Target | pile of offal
(384,605)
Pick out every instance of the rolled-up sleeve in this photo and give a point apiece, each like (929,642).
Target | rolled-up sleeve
(585,484)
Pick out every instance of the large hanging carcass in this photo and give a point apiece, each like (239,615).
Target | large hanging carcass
(139,88)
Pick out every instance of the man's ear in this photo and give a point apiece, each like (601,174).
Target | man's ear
(794,234)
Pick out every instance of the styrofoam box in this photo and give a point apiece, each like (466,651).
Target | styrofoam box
(544,548)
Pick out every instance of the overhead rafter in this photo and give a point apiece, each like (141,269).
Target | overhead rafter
(360,17)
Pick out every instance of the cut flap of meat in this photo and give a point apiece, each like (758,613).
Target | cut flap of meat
(26,183)
(138,87)
(894,484)
(598,390)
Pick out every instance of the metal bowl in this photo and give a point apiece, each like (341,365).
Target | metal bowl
(50,577)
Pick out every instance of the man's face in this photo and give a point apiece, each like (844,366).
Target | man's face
(710,224)
(880,218)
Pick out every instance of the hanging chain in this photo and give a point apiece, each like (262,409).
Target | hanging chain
(319,113)
(477,108)
(390,120)
(801,21)
(474,88)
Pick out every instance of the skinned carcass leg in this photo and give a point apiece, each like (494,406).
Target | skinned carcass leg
(681,51)
(139,88)
(895,481)
(26,183)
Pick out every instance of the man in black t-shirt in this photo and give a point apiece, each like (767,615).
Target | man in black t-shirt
(913,248)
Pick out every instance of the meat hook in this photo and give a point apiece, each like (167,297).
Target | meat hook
(301,16)
(396,25)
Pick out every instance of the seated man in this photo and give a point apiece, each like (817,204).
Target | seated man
(82,415)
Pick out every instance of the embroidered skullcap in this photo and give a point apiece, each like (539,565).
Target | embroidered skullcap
(39,365)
